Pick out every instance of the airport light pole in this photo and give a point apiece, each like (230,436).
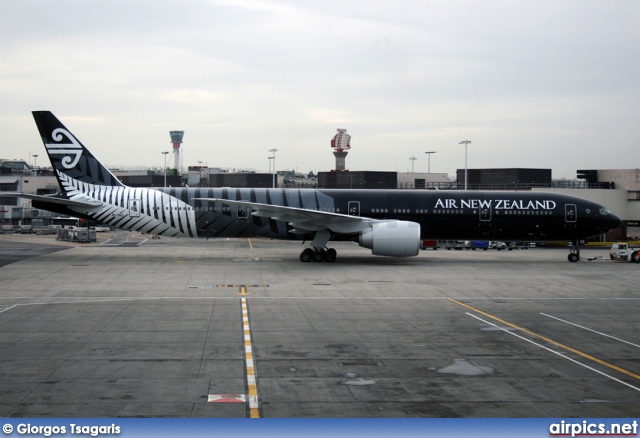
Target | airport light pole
(165,167)
(35,179)
(274,165)
(429,161)
(465,142)
(202,173)
(413,160)
(270,161)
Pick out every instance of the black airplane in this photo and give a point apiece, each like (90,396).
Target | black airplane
(389,222)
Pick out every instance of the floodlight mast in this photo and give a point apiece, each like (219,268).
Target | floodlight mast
(429,161)
(465,142)
(165,167)
(35,179)
(273,157)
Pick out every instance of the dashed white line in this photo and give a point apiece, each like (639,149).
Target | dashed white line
(591,330)
(556,353)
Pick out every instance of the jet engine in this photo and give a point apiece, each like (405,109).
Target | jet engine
(392,238)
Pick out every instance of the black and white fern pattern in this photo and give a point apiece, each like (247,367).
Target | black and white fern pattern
(137,209)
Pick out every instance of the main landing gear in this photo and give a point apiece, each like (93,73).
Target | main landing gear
(318,255)
(574,252)
(318,252)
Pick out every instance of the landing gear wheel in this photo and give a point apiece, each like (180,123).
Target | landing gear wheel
(306,255)
(330,255)
(318,256)
(574,254)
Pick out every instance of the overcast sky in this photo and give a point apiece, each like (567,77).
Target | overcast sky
(546,83)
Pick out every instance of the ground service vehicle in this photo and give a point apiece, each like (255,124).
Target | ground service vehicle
(429,244)
(624,251)
(479,244)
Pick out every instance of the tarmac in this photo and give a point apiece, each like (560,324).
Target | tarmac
(137,327)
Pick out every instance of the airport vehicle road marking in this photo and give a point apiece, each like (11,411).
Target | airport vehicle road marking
(250,369)
(252,397)
(227,398)
(591,330)
(551,341)
(239,285)
(554,352)
(243,292)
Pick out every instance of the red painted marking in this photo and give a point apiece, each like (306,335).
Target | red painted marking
(227,398)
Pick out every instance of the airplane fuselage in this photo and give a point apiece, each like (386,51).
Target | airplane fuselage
(389,222)
(444,215)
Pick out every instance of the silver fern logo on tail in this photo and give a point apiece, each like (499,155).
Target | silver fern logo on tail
(67,153)
(71,151)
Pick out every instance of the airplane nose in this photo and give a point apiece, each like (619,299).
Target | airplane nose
(611,221)
(615,221)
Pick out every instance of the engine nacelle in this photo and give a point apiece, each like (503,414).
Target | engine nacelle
(392,238)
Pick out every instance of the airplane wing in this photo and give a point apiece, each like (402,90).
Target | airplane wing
(303,220)
(89,204)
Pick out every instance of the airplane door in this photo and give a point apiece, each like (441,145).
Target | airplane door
(354,208)
(485,214)
(570,213)
(243,212)
(134,207)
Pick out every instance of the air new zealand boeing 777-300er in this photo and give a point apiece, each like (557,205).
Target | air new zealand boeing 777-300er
(389,222)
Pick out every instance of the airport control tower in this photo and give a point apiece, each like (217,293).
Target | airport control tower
(176,139)
(340,143)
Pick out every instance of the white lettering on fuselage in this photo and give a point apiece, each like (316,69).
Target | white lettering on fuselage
(497,204)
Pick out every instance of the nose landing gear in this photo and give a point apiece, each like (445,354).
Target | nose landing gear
(574,252)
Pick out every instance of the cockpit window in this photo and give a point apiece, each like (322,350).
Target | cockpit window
(605,211)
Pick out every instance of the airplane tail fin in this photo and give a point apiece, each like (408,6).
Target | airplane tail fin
(70,159)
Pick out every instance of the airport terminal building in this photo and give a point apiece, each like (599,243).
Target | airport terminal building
(617,189)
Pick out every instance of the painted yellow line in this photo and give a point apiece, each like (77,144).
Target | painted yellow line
(243,292)
(250,371)
(551,341)
(250,244)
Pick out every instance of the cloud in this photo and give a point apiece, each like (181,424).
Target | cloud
(550,83)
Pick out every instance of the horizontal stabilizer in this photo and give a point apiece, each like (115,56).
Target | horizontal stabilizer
(89,204)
